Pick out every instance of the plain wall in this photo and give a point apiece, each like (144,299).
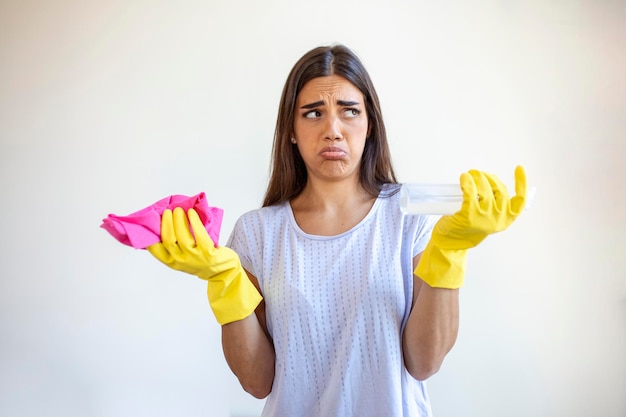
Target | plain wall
(108,106)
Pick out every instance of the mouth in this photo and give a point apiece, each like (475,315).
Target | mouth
(333,153)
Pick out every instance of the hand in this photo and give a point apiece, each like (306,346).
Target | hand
(231,294)
(486,209)
(191,252)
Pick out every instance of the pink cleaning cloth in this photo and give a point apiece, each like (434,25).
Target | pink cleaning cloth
(143,228)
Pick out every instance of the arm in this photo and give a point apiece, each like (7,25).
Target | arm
(439,270)
(234,296)
(249,351)
(431,329)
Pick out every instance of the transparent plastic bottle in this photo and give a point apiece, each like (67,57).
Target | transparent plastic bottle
(416,198)
(430,198)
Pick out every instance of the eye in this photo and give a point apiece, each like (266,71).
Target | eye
(313,114)
(352,113)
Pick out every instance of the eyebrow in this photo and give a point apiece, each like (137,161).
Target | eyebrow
(321,103)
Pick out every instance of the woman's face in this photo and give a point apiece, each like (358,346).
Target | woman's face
(330,127)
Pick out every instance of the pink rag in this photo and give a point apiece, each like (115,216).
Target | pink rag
(143,228)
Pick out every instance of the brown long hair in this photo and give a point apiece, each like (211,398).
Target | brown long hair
(288,173)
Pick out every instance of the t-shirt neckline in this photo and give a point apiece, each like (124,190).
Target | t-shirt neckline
(294,223)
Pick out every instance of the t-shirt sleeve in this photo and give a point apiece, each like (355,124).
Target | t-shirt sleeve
(240,241)
(425,225)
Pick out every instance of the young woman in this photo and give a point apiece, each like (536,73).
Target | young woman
(332,302)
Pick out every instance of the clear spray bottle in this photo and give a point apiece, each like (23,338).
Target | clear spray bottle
(416,198)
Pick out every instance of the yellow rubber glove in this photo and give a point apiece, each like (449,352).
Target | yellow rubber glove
(231,294)
(486,209)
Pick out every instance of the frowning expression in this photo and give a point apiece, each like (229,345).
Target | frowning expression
(330,127)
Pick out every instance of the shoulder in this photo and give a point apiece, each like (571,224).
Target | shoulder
(389,190)
(256,232)
(414,227)
(263,214)
(261,218)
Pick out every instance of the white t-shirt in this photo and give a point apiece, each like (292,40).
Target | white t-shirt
(336,308)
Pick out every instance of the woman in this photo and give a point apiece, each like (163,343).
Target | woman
(355,303)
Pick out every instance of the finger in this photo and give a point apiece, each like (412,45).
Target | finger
(520,181)
(158,251)
(519,200)
(483,188)
(199,231)
(181,228)
(469,191)
(168,236)
(499,191)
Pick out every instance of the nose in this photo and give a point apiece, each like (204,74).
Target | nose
(333,129)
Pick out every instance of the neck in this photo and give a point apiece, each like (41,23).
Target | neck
(328,209)
(325,195)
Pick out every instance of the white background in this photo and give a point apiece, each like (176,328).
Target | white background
(108,106)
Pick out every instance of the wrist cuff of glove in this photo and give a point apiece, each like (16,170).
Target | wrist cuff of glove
(232,296)
(442,268)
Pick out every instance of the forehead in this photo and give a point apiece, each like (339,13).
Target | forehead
(332,87)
